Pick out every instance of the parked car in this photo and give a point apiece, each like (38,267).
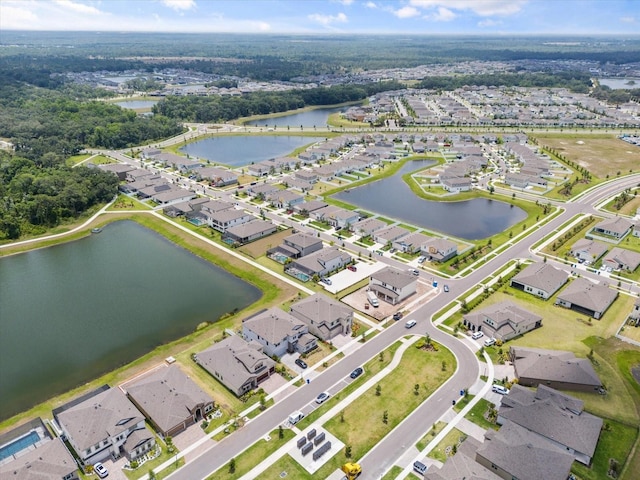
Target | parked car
(325,280)
(101,470)
(397,315)
(414,271)
(352,268)
(489,341)
(420,467)
(301,363)
(323,397)
(357,372)
(421,259)
(500,389)
(410,324)
(446,288)
(477,335)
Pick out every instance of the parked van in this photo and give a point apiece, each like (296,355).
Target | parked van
(500,389)
(295,417)
(373,299)
(489,341)
(420,467)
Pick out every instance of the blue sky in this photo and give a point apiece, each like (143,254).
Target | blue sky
(327,16)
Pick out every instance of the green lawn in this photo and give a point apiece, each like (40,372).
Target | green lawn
(253,456)
(286,464)
(450,439)
(426,439)
(614,443)
(477,415)
(393,473)
(363,425)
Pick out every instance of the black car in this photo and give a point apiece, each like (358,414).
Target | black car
(301,363)
(357,372)
(397,315)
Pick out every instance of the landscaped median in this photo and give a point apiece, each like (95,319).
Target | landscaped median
(373,414)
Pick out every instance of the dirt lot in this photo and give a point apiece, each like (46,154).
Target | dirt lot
(602,155)
(259,247)
(358,301)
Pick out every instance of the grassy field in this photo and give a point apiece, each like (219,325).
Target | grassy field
(477,415)
(628,208)
(397,398)
(601,154)
(253,456)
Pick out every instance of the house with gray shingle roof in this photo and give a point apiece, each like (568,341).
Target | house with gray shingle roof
(587,297)
(390,234)
(325,317)
(621,259)
(554,368)
(540,279)
(322,262)
(239,365)
(462,465)
(170,400)
(367,226)
(554,416)
(249,232)
(278,332)
(439,249)
(617,227)
(98,427)
(49,461)
(393,285)
(224,219)
(411,243)
(295,246)
(309,206)
(502,321)
(515,452)
(586,249)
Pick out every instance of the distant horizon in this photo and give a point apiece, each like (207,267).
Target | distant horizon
(336,17)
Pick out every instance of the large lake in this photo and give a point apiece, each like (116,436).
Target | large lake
(241,150)
(74,311)
(620,83)
(310,118)
(470,219)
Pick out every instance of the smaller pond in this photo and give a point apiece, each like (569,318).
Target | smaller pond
(309,119)
(620,83)
(137,104)
(241,150)
(470,219)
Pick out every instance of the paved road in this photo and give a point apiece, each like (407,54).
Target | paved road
(392,447)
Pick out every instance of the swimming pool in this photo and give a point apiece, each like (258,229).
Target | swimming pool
(19,444)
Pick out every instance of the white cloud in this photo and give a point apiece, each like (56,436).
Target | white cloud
(16,16)
(488,22)
(78,7)
(327,20)
(407,12)
(484,8)
(628,19)
(345,2)
(179,4)
(370,5)
(443,15)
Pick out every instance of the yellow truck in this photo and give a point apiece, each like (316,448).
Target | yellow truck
(353,470)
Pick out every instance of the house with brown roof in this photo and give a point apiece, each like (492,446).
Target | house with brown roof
(239,365)
(622,259)
(540,279)
(502,321)
(554,416)
(103,424)
(278,332)
(170,400)
(49,461)
(325,317)
(393,285)
(587,297)
(554,368)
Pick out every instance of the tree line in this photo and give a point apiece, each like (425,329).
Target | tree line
(38,195)
(222,109)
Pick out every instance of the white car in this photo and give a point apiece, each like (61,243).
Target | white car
(410,324)
(477,335)
(101,470)
(323,397)
(500,389)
